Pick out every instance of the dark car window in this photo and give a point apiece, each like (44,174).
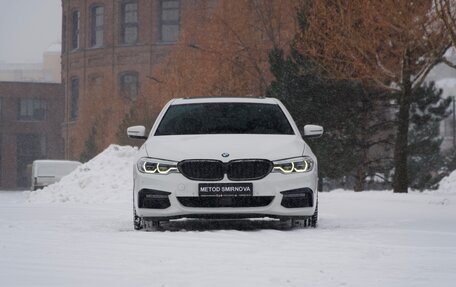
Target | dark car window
(224,118)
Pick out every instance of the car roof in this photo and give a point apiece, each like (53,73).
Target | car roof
(198,100)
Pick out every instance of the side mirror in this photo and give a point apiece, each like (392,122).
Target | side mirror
(312,131)
(137,132)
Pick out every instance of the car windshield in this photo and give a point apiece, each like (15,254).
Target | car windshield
(224,118)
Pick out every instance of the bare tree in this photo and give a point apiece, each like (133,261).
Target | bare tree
(223,50)
(391,43)
(446,11)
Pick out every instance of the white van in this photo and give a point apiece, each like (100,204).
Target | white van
(46,172)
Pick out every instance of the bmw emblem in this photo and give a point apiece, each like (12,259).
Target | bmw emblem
(225,154)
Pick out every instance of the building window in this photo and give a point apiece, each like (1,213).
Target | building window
(75,16)
(97,22)
(32,110)
(74,108)
(129,85)
(29,147)
(170,15)
(129,20)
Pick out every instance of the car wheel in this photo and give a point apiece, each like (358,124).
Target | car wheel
(314,218)
(138,222)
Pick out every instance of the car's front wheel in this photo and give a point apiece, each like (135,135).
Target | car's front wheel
(314,218)
(138,222)
(311,221)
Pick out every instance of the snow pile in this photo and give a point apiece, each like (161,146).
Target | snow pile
(448,184)
(106,178)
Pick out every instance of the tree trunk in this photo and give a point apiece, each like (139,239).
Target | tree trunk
(400,182)
(361,170)
(360,178)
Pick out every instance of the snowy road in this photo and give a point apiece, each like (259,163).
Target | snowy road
(366,239)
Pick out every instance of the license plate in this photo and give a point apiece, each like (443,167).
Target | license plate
(225,189)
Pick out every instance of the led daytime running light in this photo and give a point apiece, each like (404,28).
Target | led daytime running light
(306,166)
(298,165)
(284,170)
(147,170)
(160,168)
(167,171)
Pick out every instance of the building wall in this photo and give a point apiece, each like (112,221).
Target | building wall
(13,128)
(48,71)
(52,66)
(22,72)
(98,69)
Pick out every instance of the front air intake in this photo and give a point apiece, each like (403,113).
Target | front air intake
(154,199)
(228,201)
(297,198)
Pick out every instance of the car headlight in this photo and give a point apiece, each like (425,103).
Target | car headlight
(156,166)
(299,164)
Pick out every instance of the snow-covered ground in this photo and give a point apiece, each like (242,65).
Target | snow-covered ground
(79,233)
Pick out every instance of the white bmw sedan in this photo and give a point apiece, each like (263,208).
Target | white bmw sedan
(225,158)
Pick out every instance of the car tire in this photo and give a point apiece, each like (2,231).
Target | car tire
(314,218)
(292,223)
(138,222)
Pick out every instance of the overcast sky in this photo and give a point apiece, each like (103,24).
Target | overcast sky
(27,28)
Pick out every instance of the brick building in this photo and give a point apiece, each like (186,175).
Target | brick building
(109,48)
(31,116)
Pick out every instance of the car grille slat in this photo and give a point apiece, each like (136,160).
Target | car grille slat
(248,169)
(202,169)
(237,170)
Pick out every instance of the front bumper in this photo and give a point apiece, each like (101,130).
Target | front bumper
(273,196)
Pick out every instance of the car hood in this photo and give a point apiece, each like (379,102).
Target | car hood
(272,147)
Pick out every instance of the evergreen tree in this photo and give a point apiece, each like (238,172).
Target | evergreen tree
(352,114)
(426,162)
(450,161)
